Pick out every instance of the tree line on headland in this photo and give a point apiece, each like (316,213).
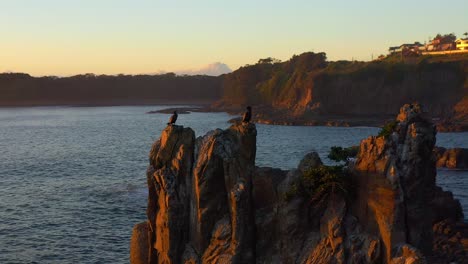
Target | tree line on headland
(305,88)
(18,89)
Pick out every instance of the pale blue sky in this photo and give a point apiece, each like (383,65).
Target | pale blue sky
(52,37)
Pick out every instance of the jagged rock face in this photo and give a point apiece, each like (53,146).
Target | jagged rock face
(298,231)
(200,207)
(399,178)
(169,183)
(223,213)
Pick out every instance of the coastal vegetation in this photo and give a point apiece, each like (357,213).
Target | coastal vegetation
(339,154)
(318,183)
(90,89)
(321,181)
(289,83)
(388,129)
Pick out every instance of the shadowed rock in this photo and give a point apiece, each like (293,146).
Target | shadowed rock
(311,160)
(139,244)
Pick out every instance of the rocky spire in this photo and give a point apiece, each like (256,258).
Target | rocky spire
(200,205)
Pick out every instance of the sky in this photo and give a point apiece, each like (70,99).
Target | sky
(67,37)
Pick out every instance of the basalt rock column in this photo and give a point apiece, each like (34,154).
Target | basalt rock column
(222,220)
(169,184)
(397,182)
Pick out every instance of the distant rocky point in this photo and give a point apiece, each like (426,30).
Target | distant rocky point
(208,203)
(213,69)
(180,110)
(454,158)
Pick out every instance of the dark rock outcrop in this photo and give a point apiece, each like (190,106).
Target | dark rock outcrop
(310,160)
(208,203)
(450,242)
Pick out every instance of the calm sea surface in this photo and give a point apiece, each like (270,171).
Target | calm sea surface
(72,179)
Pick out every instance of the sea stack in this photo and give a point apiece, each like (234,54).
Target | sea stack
(208,203)
(200,205)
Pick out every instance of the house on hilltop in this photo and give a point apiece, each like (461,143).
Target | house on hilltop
(415,47)
(461,44)
(442,43)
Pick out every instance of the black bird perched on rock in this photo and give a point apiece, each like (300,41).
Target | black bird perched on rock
(247,115)
(173,118)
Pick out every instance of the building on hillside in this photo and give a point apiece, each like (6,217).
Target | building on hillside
(415,47)
(461,44)
(442,43)
(393,50)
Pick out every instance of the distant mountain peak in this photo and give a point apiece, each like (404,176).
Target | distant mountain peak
(213,69)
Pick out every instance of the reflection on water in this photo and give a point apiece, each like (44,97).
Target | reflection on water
(73,179)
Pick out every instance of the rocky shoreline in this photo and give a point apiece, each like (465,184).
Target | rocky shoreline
(209,203)
(270,116)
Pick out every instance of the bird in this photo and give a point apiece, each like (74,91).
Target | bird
(173,118)
(247,115)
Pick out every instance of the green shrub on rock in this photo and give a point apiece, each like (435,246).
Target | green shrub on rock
(343,154)
(388,129)
(320,183)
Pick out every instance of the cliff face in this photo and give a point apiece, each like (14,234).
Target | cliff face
(208,203)
(308,89)
(381,89)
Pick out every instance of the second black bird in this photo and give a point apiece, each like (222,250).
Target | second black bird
(173,118)
(247,115)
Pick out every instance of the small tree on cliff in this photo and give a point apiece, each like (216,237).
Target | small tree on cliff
(388,129)
(319,184)
(269,60)
(339,154)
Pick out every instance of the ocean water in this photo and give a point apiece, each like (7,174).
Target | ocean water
(72,179)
